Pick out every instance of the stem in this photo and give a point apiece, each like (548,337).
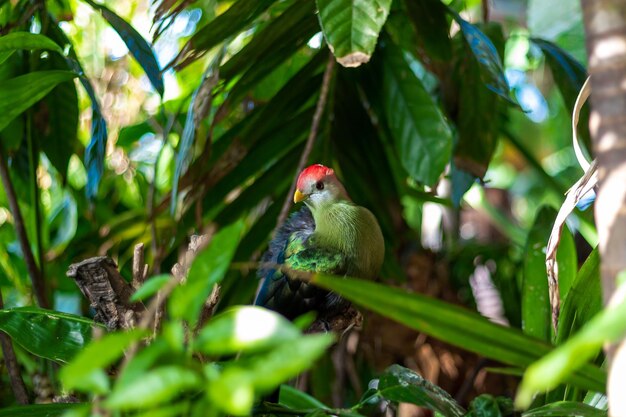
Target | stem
(17,383)
(315,124)
(20,230)
(33,161)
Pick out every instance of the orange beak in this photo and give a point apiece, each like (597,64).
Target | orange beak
(299,196)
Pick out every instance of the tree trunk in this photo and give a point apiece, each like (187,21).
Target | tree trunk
(605,26)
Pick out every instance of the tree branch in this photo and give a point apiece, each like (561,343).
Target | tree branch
(17,384)
(20,230)
(605,27)
(315,123)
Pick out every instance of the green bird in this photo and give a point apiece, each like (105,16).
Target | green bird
(331,235)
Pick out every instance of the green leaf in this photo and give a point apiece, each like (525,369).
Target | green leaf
(492,72)
(246,329)
(294,398)
(137,45)
(565,408)
(569,76)
(150,287)
(39,410)
(229,23)
(480,117)
(422,136)
(486,405)
(26,40)
(536,310)
(20,93)
(233,389)
(555,367)
(208,269)
(453,324)
(429,20)
(584,298)
(154,387)
(87,371)
(403,385)
(45,333)
(351,27)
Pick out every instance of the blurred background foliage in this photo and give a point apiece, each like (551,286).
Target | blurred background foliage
(189,117)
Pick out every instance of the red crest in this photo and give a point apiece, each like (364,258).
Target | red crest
(313,173)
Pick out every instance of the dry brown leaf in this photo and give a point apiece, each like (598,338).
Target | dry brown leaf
(585,184)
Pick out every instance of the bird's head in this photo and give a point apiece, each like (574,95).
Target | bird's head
(317,185)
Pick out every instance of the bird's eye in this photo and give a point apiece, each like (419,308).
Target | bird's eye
(319,185)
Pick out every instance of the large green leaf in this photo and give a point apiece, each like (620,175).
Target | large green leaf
(536,310)
(86,372)
(137,45)
(25,40)
(429,20)
(453,324)
(208,269)
(351,27)
(486,405)
(233,388)
(486,55)
(403,385)
(154,387)
(583,300)
(480,117)
(20,93)
(555,367)
(48,334)
(422,136)
(245,329)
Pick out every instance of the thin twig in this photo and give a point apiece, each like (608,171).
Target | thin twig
(139,266)
(485,10)
(20,230)
(17,383)
(317,116)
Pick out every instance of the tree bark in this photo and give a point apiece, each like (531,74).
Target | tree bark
(605,26)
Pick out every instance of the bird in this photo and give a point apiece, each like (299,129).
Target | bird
(330,234)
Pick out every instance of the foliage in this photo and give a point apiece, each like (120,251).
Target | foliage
(430,115)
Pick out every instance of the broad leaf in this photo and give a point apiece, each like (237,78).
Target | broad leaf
(233,388)
(207,270)
(26,40)
(20,93)
(137,45)
(403,385)
(154,387)
(47,334)
(454,325)
(565,408)
(87,371)
(422,136)
(480,117)
(245,329)
(486,54)
(429,20)
(351,27)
